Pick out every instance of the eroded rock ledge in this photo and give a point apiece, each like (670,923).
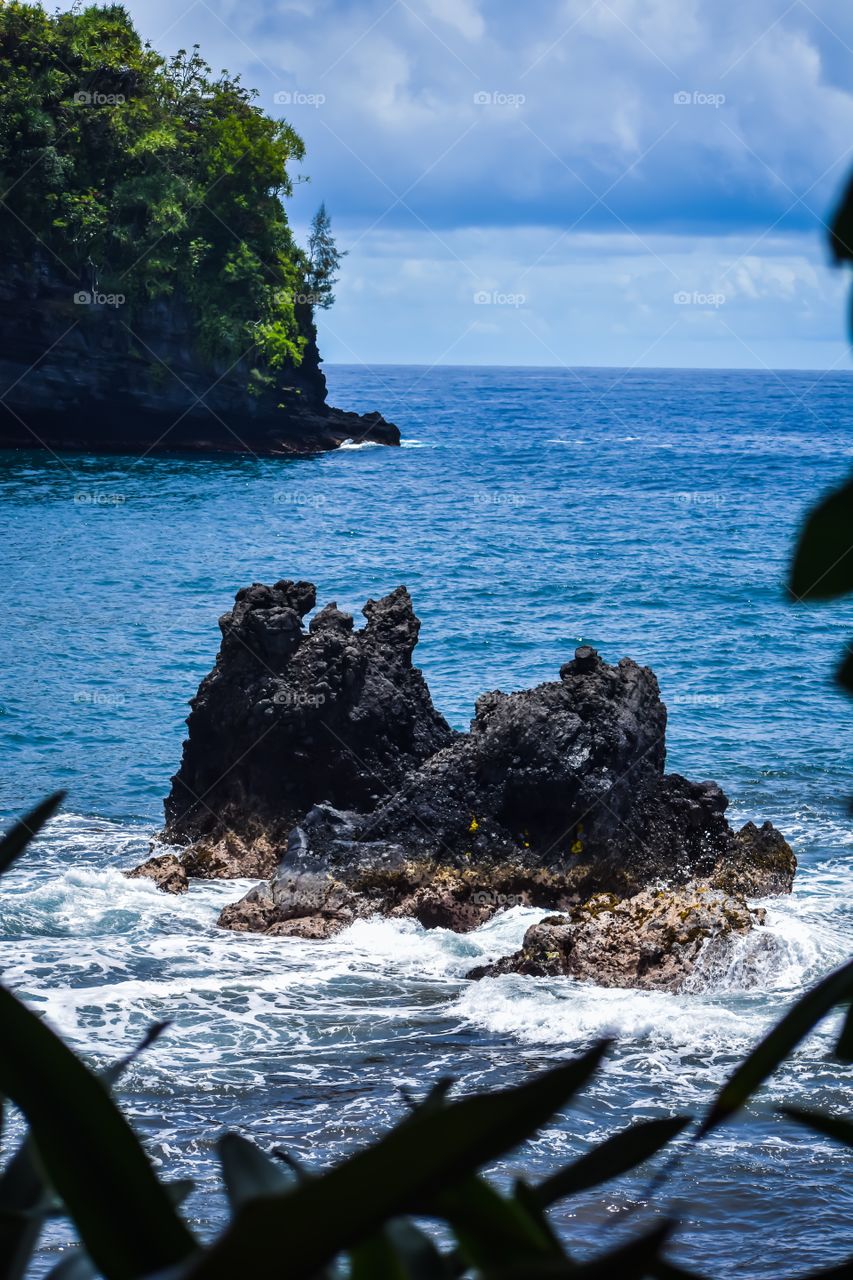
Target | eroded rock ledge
(653,941)
(316,760)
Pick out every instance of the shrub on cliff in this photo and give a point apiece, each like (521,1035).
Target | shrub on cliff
(150,177)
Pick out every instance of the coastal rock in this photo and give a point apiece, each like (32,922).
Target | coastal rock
(86,376)
(167,871)
(761,864)
(652,940)
(291,718)
(316,759)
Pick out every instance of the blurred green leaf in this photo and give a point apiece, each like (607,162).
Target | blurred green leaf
(844,674)
(399,1252)
(112,1074)
(75,1266)
(844,1047)
(841,228)
(831,1126)
(25,1203)
(420,1255)
(631,1261)
(249,1172)
(823,560)
(90,1153)
(16,840)
(835,989)
(179,1190)
(611,1158)
(492,1229)
(418,1159)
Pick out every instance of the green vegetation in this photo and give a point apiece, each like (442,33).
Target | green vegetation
(154,178)
(80,1159)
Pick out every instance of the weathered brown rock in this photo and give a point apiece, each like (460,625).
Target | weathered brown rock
(760,865)
(652,940)
(167,871)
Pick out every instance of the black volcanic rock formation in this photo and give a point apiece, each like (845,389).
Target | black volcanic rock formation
(105,377)
(316,758)
(290,718)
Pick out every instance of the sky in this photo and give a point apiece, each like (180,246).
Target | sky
(593,182)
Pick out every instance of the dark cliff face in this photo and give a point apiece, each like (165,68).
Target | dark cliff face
(86,371)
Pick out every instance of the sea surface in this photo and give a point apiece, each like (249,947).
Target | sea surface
(648,513)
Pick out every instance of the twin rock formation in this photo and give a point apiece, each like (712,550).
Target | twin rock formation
(316,760)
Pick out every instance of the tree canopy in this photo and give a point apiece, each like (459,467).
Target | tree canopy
(151,177)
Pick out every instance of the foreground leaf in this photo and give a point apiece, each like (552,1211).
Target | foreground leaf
(631,1261)
(249,1172)
(823,560)
(844,1047)
(75,1266)
(835,989)
(91,1155)
(420,1158)
(494,1230)
(25,1204)
(16,840)
(830,1126)
(611,1158)
(400,1252)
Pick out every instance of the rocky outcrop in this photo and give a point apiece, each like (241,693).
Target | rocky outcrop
(316,759)
(652,940)
(167,871)
(291,718)
(99,372)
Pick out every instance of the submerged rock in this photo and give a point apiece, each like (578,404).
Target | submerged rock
(316,759)
(652,940)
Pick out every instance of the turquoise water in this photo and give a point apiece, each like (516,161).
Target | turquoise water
(649,513)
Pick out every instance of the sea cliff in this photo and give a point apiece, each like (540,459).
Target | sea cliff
(86,370)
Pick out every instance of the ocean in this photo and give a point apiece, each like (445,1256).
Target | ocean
(650,513)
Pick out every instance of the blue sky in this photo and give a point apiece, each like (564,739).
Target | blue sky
(608,182)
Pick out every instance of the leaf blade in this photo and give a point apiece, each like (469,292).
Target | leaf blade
(91,1155)
(19,836)
(418,1159)
(834,989)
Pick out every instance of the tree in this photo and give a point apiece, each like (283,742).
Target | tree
(324,258)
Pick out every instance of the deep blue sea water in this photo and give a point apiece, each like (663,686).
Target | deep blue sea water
(650,513)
